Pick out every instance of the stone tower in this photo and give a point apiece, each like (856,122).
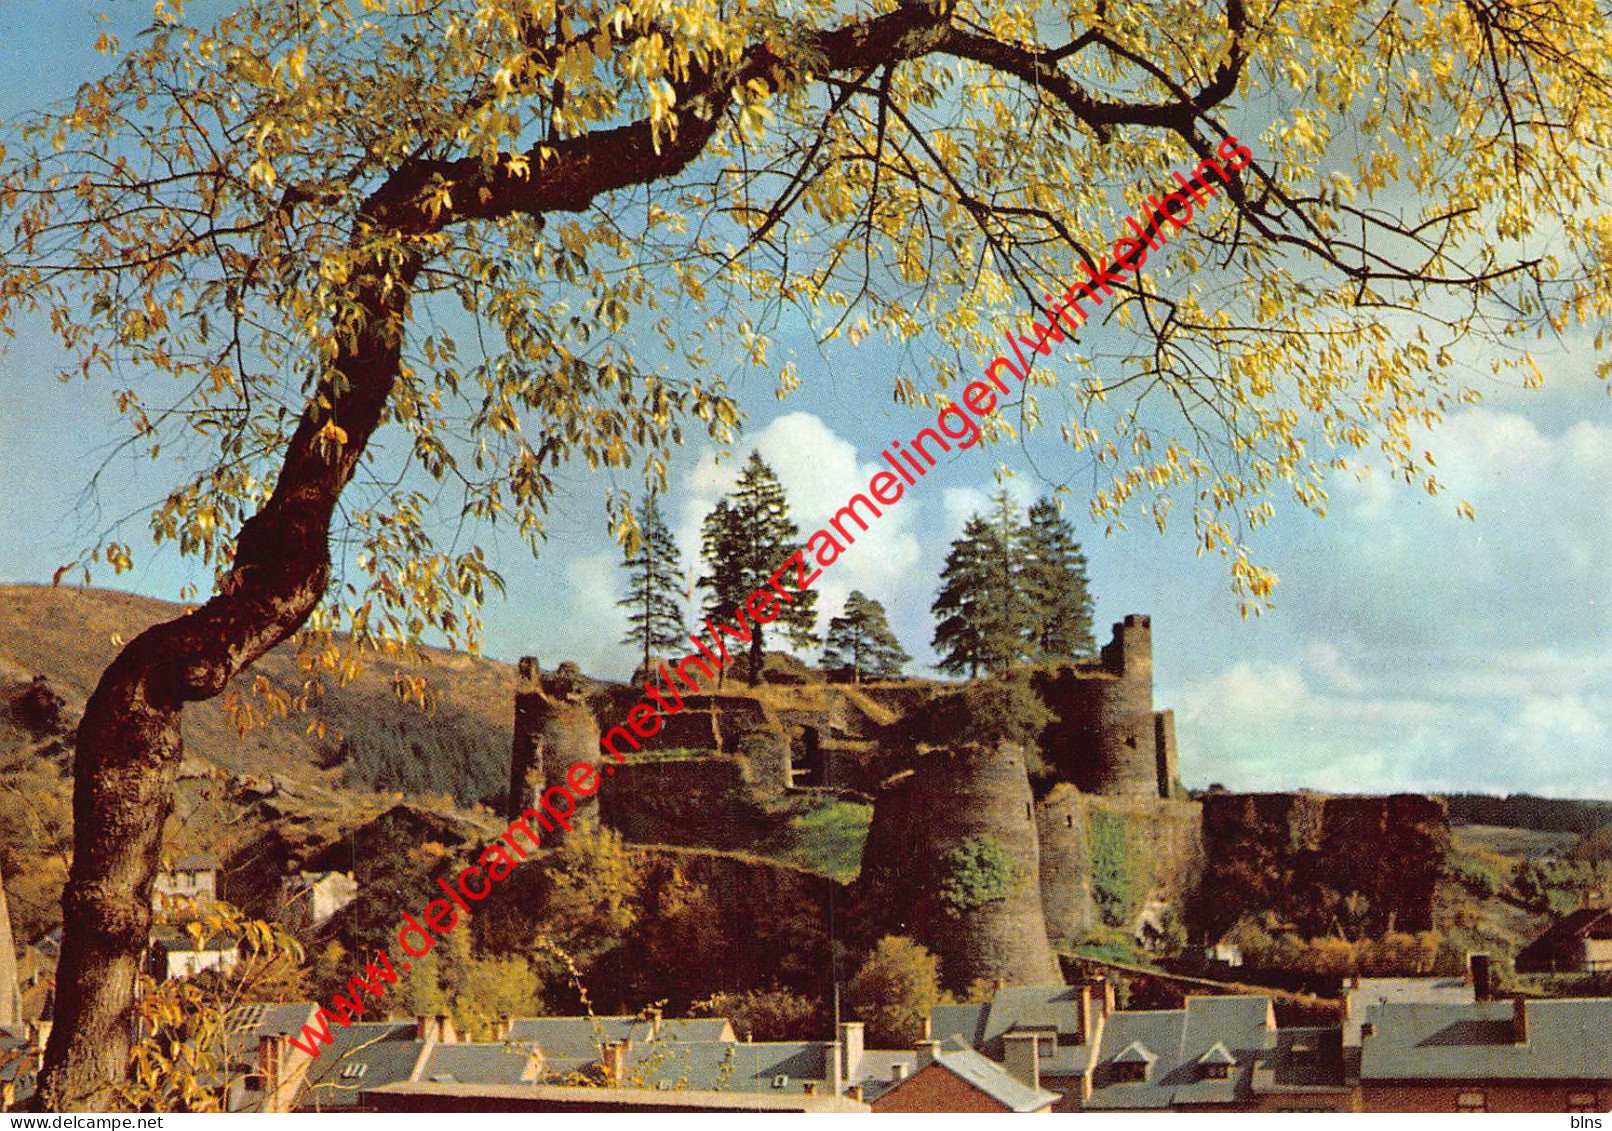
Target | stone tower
(1106,738)
(10,990)
(554,729)
(919,819)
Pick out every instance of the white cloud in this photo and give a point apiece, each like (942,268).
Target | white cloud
(819,471)
(589,626)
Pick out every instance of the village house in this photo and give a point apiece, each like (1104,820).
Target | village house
(311,899)
(1510,1056)
(951,1077)
(175,953)
(1580,944)
(1214,1053)
(191,880)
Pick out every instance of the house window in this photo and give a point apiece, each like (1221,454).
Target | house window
(1130,1071)
(1217,1072)
(780,1081)
(1472,1101)
(1582,1101)
(354,1071)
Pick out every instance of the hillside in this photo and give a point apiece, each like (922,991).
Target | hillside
(372,741)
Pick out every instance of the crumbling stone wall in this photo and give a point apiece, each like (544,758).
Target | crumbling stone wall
(1165,867)
(948,798)
(694,801)
(1105,738)
(554,729)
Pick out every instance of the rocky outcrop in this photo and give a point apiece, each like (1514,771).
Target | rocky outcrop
(1301,855)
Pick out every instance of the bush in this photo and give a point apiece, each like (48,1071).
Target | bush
(767,1015)
(977,872)
(894,991)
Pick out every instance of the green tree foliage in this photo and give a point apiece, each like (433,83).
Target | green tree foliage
(1012,592)
(1052,571)
(592,890)
(976,872)
(983,618)
(894,990)
(860,641)
(744,541)
(1001,709)
(654,595)
(767,1014)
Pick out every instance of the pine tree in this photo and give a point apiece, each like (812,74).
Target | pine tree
(1053,572)
(860,640)
(745,539)
(655,621)
(984,615)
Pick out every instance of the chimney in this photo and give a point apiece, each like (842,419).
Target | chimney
(1480,971)
(855,1093)
(1519,1020)
(853,1040)
(833,1074)
(654,1021)
(445,1031)
(271,1065)
(1088,1015)
(927,1022)
(422,1028)
(898,1072)
(1108,997)
(927,1051)
(1354,980)
(1021,1056)
(615,1063)
(506,1026)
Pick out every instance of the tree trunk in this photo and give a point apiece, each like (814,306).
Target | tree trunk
(129,743)
(758,653)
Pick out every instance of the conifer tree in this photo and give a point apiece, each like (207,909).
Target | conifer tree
(860,640)
(744,540)
(1053,572)
(984,618)
(655,618)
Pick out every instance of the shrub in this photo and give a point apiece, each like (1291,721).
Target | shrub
(894,991)
(977,872)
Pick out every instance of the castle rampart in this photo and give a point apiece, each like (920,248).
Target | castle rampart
(1105,738)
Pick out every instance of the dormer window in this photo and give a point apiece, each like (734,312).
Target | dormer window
(1133,1063)
(1217,1063)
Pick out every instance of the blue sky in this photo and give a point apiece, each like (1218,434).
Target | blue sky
(1408,649)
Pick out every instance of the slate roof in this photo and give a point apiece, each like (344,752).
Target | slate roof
(1179,1039)
(779,1067)
(1306,1059)
(472,1063)
(15,1066)
(1567,1040)
(1378,991)
(986,1076)
(1022,1009)
(577,1040)
(364,1055)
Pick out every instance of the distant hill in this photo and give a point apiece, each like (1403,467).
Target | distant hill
(372,741)
(1523,811)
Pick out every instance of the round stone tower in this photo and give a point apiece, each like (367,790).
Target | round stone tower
(554,729)
(1105,738)
(927,819)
